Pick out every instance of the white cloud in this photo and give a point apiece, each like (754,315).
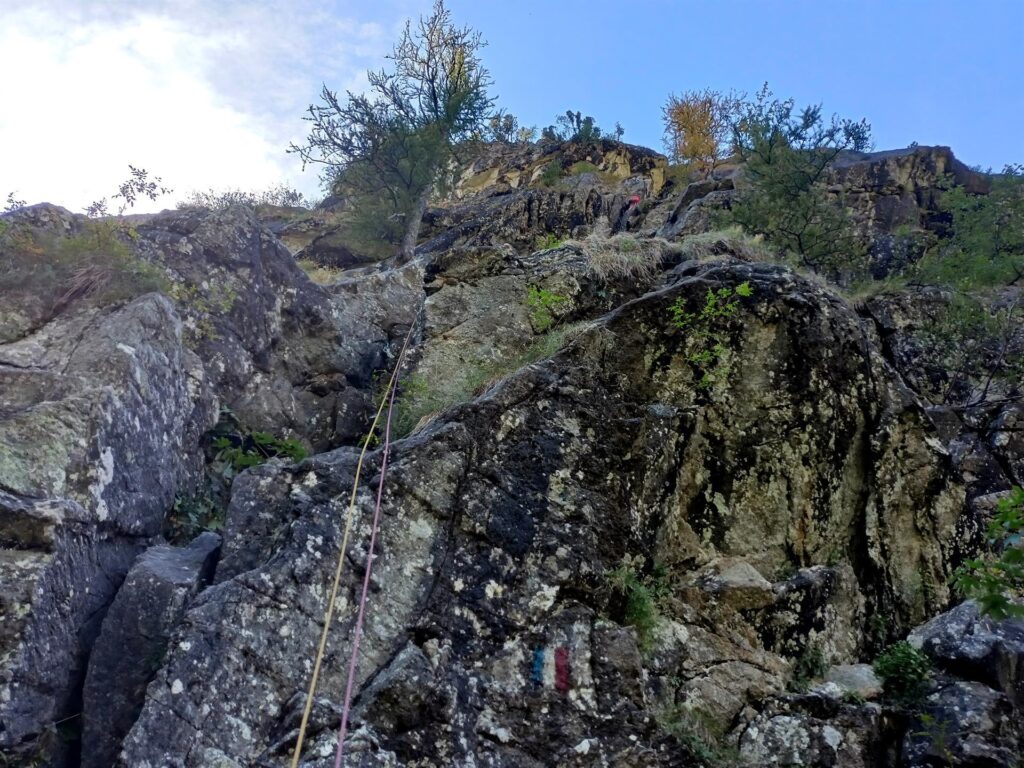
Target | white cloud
(201,94)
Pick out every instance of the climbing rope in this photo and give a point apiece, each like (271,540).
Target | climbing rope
(387,400)
(339,755)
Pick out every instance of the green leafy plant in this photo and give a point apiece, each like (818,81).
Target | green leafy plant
(905,671)
(235,447)
(552,172)
(547,242)
(809,665)
(705,329)
(542,304)
(786,154)
(968,345)
(250,449)
(641,594)
(994,580)
(576,127)
(986,243)
(193,514)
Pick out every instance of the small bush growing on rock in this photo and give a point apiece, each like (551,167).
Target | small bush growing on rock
(193,514)
(994,580)
(216,200)
(905,671)
(730,241)
(698,127)
(970,345)
(547,242)
(237,448)
(542,304)
(13,203)
(809,665)
(318,273)
(640,594)
(575,127)
(551,174)
(986,243)
(704,328)
(420,399)
(97,265)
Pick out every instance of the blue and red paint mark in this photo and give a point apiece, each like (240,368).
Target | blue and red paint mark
(550,668)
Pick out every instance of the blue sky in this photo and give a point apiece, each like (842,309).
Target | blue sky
(938,72)
(208,93)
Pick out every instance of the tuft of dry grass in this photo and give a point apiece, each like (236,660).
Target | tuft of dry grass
(624,255)
(318,273)
(731,241)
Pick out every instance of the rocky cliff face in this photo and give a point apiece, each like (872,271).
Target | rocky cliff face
(613,534)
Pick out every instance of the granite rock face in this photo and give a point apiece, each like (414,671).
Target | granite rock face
(505,516)
(621,525)
(133,641)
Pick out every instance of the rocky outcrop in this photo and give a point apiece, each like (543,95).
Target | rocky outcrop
(649,501)
(506,515)
(133,641)
(103,407)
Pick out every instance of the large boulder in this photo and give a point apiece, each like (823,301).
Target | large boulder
(506,517)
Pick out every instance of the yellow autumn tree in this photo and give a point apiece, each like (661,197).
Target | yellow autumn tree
(698,127)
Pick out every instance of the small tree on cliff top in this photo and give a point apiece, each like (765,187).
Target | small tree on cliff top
(698,127)
(392,142)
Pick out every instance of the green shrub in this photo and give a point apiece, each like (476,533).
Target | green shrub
(986,243)
(994,580)
(641,594)
(552,172)
(419,399)
(809,665)
(193,514)
(706,332)
(905,671)
(95,265)
(786,155)
(547,242)
(969,344)
(542,303)
(235,447)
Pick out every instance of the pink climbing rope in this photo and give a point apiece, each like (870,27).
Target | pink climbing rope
(343,730)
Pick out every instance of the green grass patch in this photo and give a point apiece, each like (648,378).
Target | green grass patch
(420,398)
(96,265)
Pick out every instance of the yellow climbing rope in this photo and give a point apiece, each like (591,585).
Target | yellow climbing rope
(339,567)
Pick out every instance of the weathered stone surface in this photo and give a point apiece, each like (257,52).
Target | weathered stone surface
(504,516)
(964,724)
(133,641)
(100,415)
(964,643)
(817,732)
(856,679)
